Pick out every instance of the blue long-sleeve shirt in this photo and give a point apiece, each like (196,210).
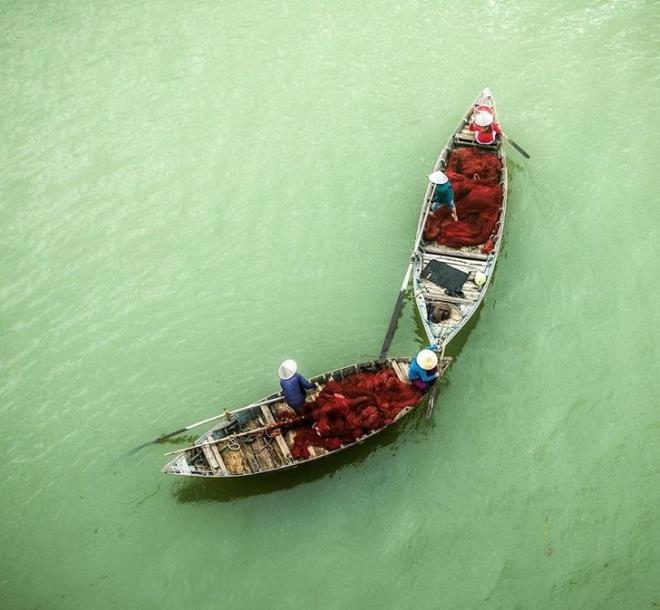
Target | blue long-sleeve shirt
(417,372)
(294,390)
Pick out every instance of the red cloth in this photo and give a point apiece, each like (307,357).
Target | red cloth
(474,174)
(346,410)
(485,135)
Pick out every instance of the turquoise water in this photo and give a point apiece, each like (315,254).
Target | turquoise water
(190,193)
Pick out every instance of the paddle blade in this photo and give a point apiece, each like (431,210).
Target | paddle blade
(523,152)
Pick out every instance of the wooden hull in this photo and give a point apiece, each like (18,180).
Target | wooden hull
(239,455)
(467,259)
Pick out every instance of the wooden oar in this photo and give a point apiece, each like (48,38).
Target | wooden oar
(290,422)
(398,304)
(516,146)
(206,421)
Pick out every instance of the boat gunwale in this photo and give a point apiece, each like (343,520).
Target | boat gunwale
(444,365)
(489,263)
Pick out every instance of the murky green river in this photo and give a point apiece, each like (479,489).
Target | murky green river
(192,192)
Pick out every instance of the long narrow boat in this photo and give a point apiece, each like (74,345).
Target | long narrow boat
(453,263)
(269,436)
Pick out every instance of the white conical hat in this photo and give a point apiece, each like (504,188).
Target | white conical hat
(287,369)
(438,177)
(483,118)
(427,359)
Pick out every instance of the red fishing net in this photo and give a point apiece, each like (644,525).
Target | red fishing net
(348,409)
(474,174)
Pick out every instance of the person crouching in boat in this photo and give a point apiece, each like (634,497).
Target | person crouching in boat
(443,193)
(484,125)
(424,370)
(294,385)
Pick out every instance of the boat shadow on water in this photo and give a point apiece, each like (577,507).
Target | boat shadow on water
(411,429)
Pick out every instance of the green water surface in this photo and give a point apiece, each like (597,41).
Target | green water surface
(192,192)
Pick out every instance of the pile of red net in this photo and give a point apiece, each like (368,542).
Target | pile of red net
(348,409)
(474,174)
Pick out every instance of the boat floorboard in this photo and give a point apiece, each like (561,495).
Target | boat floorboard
(469,252)
(279,440)
(218,458)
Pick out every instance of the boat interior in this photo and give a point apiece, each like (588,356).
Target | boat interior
(445,309)
(265,450)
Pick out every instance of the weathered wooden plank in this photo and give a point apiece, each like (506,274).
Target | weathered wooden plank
(279,440)
(441,295)
(464,264)
(234,460)
(210,458)
(248,454)
(435,295)
(470,291)
(259,448)
(218,458)
(401,371)
(470,252)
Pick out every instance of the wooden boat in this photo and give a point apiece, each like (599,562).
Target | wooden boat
(475,263)
(246,442)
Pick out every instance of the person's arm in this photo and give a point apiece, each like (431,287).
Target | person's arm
(435,203)
(427,376)
(308,385)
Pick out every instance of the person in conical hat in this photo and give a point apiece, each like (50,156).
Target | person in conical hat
(484,125)
(424,369)
(294,385)
(443,193)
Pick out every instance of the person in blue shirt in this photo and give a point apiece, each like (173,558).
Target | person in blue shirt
(443,193)
(424,369)
(294,385)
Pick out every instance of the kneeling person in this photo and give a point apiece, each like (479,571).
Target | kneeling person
(443,193)
(424,370)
